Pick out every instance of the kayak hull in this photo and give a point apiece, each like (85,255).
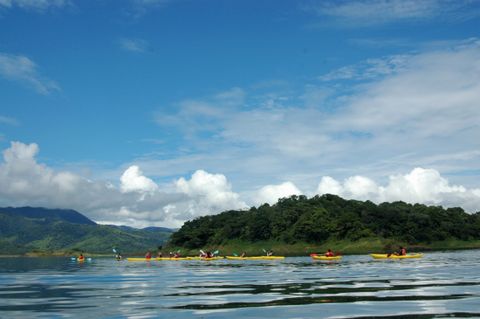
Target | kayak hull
(319,257)
(255,258)
(156,259)
(387,256)
(172,259)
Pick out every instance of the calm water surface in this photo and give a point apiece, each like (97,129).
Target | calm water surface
(438,286)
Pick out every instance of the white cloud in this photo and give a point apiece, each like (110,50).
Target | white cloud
(134,45)
(21,69)
(421,185)
(133,180)
(271,193)
(34,4)
(136,201)
(209,193)
(413,110)
(371,12)
(369,69)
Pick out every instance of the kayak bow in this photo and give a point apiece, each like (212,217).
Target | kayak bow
(392,256)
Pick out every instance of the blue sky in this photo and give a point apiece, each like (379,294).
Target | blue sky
(152,112)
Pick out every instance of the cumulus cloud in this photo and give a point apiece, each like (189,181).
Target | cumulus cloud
(132,180)
(271,193)
(208,193)
(21,69)
(136,201)
(420,185)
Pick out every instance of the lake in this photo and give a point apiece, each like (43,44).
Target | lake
(441,284)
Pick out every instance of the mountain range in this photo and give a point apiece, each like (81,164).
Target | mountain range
(36,229)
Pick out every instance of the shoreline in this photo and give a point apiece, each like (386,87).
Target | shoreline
(361,247)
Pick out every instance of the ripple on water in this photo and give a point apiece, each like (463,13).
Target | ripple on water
(439,285)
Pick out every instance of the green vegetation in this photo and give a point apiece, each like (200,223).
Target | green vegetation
(49,232)
(299,225)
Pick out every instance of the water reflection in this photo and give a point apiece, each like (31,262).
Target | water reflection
(441,284)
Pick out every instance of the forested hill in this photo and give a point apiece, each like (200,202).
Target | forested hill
(329,217)
(41,230)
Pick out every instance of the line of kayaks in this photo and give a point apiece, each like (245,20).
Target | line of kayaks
(208,259)
(314,256)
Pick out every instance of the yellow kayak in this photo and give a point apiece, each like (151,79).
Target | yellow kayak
(157,259)
(255,258)
(320,257)
(173,259)
(387,256)
(205,258)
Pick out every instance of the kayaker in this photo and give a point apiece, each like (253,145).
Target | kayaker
(270,253)
(329,253)
(402,251)
(176,255)
(159,254)
(148,255)
(208,255)
(81,257)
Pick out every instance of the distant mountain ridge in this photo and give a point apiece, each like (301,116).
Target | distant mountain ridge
(37,229)
(68,215)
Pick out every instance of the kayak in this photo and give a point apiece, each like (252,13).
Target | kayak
(157,259)
(205,258)
(255,258)
(173,259)
(80,260)
(320,257)
(386,256)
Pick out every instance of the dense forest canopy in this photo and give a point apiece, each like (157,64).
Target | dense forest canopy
(320,218)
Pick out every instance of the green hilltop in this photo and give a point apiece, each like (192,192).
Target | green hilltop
(299,225)
(55,231)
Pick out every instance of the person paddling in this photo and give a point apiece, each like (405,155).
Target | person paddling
(81,257)
(402,251)
(329,253)
(148,255)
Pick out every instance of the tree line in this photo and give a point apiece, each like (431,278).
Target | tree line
(321,218)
